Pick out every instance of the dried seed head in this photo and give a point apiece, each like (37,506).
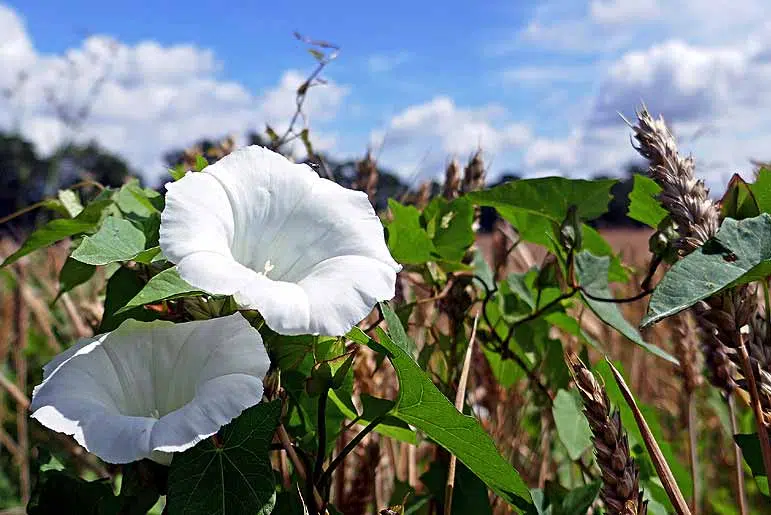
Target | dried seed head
(423,196)
(620,476)
(367,176)
(685,197)
(687,352)
(451,187)
(474,173)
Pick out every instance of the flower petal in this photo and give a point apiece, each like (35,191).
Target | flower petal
(151,388)
(294,235)
(196,217)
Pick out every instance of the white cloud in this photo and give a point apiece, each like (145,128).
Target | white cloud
(622,11)
(420,138)
(150,98)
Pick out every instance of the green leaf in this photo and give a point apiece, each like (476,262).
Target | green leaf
(177,172)
(548,197)
(643,202)
(133,199)
(56,230)
(231,477)
(423,406)
(200,163)
(408,241)
(578,500)
(396,330)
(739,201)
(374,407)
(572,426)
(592,275)
(71,202)
(58,492)
(505,371)
(123,286)
(72,274)
(470,494)
(163,286)
(753,456)
(761,189)
(451,227)
(116,240)
(740,253)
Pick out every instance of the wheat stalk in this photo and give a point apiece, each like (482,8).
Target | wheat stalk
(620,475)
(683,195)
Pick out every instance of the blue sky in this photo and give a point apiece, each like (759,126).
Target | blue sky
(536,84)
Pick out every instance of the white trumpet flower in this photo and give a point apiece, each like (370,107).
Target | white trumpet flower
(146,390)
(304,251)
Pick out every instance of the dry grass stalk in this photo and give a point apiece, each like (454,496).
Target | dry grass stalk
(367,176)
(460,394)
(474,173)
(620,475)
(20,367)
(451,187)
(687,353)
(657,457)
(683,195)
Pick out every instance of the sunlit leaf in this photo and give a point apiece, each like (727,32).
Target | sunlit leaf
(71,202)
(740,253)
(423,406)
(571,424)
(643,203)
(163,286)
(116,240)
(549,197)
(55,230)
(592,275)
(408,241)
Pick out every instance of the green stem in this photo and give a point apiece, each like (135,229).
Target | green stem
(322,432)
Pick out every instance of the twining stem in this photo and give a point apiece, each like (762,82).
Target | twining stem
(694,453)
(765,446)
(321,424)
(460,394)
(326,476)
(283,436)
(741,496)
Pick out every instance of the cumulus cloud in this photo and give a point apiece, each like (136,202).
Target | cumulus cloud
(142,99)
(420,138)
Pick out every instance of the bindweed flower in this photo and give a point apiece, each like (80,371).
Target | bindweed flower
(146,390)
(304,251)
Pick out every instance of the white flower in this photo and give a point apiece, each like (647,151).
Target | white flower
(147,390)
(304,251)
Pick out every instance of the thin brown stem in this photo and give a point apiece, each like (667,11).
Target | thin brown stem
(757,409)
(693,449)
(741,496)
(459,396)
(283,436)
(20,365)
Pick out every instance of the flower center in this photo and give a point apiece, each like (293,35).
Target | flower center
(155,414)
(268,267)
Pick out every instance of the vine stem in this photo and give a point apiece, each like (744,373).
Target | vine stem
(322,432)
(694,453)
(283,436)
(326,476)
(740,495)
(765,446)
(460,394)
